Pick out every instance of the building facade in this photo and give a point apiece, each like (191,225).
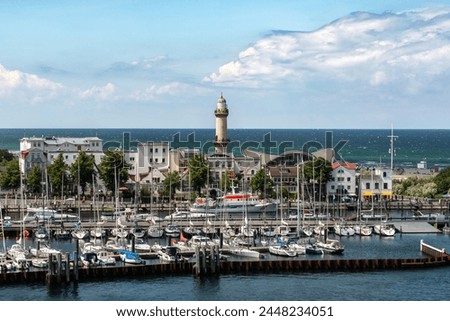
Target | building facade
(42,151)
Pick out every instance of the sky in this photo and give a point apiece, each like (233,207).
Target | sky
(279,64)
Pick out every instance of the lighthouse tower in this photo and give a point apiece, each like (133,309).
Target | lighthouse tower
(221,141)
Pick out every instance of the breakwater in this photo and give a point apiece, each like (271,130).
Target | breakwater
(84,274)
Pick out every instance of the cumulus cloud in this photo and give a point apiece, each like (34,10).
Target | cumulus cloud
(409,50)
(106,92)
(34,87)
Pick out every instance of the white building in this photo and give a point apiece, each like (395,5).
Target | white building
(343,180)
(148,162)
(376,182)
(42,151)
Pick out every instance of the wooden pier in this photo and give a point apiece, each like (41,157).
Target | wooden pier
(209,262)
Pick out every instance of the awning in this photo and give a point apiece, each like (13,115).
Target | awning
(368,194)
(386,193)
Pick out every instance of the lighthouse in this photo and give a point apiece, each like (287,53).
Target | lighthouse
(221,112)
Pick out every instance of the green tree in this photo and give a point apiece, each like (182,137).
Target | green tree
(34,180)
(10,177)
(429,190)
(57,173)
(442,181)
(82,170)
(5,156)
(262,183)
(198,168)
(318,170)
(113,169)
(170,184)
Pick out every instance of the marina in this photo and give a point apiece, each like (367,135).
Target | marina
(389,261)
(210,256)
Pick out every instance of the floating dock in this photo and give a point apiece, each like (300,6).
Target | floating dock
(410,227)
(209,263)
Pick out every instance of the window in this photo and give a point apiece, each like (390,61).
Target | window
(385,186)
(349,179)
(333,187)
(156,150)
(367,185)
(384,174)
(377,185)
(163,160)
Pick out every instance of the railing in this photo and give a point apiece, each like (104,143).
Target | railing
(431,251)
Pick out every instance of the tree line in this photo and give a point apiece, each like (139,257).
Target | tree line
(60,179)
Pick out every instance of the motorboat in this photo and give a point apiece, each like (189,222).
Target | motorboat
(155,231)
(243,251)
(172,230)
(170,254)
(43,250)
(200,241)
(138,231)
(130,257)
(187,215)
(90,259)
(140,246)
(39,263)
(330,246)
(282,250)
(44,214)
(105,258)
(234,203)
(41,233)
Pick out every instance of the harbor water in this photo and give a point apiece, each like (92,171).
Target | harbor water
(431,284)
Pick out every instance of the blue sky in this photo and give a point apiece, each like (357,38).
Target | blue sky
(279,64)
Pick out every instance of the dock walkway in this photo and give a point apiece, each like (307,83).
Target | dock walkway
(415,227)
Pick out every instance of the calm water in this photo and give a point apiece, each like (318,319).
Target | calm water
(410,285)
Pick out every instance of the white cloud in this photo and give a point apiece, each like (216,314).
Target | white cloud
(106,92)
(408,51)
(29,85)
(173,89)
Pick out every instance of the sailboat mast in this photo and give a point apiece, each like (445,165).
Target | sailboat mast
(391,150)
(298,199)
(3,227)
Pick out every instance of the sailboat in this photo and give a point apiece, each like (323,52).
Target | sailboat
(5,262)
(98,231)
(302,230)
(17,252)
(79,232)
(281,248)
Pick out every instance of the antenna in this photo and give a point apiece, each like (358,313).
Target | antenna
(392,150)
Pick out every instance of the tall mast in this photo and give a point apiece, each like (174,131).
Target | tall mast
(392,150)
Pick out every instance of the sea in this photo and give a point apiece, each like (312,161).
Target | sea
(362,146)
(368,146)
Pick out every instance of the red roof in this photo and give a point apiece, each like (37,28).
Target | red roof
(347,165)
